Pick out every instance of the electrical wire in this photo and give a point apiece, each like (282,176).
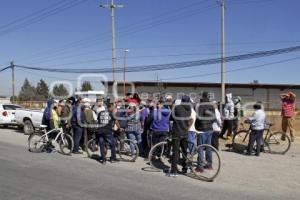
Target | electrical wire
(178,65)
(39,17)
(233,70)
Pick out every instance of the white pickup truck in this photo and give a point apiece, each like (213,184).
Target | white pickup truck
(30,120)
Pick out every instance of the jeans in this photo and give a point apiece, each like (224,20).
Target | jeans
(77,134)
(191,139)
(135,136)
(107,138)
(204,138)
(255,136)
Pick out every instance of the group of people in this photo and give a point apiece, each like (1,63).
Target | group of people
(183,120)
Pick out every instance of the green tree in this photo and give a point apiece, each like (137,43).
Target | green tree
(86,86)
(28,92)
(60,90)
(42,90)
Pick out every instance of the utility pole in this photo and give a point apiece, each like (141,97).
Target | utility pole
(112,8)
(124,72)
(223,51)
(12,65)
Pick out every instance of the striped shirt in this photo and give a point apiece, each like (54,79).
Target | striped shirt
(288,108)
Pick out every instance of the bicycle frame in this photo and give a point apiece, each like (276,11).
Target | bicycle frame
(249,131)
(59,134)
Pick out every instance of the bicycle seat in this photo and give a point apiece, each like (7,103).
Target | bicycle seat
(270,124)
(43,126)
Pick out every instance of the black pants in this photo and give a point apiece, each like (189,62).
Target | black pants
(159,136)
(145,146)
(178,142)
(215,140)
(255,136)
(227,127)
(107,138)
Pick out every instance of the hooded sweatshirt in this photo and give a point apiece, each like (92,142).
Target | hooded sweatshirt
(48,116)
(161,120)
(228,111)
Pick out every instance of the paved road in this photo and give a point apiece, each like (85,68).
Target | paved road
(24,175)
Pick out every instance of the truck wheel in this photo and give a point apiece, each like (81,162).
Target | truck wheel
(28,127)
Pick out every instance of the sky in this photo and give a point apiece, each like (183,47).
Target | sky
(155,32)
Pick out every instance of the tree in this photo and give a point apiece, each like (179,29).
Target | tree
(86,86)
(28,92)
(42,90)
(60,91)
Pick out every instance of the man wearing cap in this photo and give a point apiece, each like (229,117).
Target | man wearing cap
(288,113)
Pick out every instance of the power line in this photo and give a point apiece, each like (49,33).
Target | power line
(178,65)
(134,27)
(138,57)
(234,70)
(160,46)
(38,16)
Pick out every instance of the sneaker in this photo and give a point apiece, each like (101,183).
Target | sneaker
(51,150)
(77,152)
(283,137)
(174,175)
(199,170)
(208,167)
(103,162)
(184,171)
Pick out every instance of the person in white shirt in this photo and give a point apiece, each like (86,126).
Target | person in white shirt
(216,127)
(192,134)
(257,121)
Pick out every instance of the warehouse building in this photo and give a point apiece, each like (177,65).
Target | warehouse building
(267,93)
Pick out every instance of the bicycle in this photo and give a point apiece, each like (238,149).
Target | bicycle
(276,143)
(160,159)
(122,147)
(37,143)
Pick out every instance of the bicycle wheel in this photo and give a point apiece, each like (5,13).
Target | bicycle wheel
(92,149)
(160,156)
(36,143)
(240,141)
(278,143)
(128,150)
(66,144)
(204,166)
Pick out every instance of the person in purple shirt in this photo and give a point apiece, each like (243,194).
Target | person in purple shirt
(144,115)
(160,125)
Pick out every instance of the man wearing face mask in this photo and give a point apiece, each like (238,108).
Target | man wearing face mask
(99,106)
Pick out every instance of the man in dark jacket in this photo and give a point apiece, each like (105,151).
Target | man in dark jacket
(181,115)
(47,116)
(204,124)
(77,122)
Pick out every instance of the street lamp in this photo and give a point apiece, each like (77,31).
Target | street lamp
(124,71)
